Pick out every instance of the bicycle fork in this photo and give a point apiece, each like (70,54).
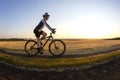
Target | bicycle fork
(54,44)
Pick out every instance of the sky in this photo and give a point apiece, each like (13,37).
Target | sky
(72,18)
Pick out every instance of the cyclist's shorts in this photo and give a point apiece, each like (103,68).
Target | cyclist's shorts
(37,33)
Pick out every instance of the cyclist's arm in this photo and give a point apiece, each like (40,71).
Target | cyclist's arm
(47,25)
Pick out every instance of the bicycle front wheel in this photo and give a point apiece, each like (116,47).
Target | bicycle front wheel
(57,48)
(31,47)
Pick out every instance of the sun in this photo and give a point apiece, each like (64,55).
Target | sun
(94,27)
(90,26)
(93,32)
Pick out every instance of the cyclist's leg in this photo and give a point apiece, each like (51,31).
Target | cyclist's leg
(44,34)
(37,34)
(38,42)
(39,45)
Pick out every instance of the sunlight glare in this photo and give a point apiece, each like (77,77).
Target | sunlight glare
(93,26)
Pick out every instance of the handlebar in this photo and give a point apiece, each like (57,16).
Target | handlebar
(54,31)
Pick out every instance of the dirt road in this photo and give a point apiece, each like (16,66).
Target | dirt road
(107,71)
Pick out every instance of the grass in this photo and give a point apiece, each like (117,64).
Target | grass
(47,63)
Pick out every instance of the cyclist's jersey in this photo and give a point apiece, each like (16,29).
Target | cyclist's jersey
(41,25)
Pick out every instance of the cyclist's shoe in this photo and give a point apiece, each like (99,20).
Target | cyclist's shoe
(40,50)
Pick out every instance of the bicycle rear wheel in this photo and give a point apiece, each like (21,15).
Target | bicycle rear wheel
(57,48)
(31,47)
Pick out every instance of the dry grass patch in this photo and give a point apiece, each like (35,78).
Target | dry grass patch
(73,46)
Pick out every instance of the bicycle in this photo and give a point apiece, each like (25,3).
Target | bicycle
(56,47)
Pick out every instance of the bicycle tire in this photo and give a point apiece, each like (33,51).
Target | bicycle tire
(26,50)
(61,43)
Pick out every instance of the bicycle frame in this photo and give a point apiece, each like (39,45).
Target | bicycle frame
(48,38)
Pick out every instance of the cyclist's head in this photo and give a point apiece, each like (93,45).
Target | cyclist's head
(46,16)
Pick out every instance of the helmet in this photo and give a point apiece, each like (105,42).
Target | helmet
(46,15)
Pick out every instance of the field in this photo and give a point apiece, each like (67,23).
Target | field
(74,47)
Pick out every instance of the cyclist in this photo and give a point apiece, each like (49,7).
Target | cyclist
(38,31)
